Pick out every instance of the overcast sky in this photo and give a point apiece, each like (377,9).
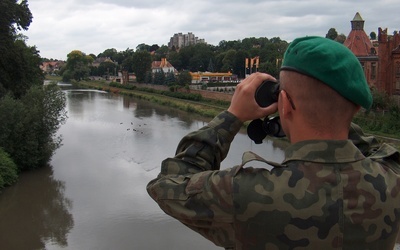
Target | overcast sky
(92,26)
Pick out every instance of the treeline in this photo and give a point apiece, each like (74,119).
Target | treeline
(30,114)
(227,56)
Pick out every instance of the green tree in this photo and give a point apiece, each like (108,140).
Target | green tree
(332,34)
(109,53)
(170,79)
(14,15)
(159,77)
(19,68)
(184,78)
(141,63)
(185,54)
(239,63)
(228,62)
(202,53)
(127,63)
(149,77)
(174,58)
(28,125)
(372,35)
(19,63)
(107,68)
(341,38)
(30,113)
(154,47)
(161,52)
(77,66)
(123,55)
(8,170)
(143,47)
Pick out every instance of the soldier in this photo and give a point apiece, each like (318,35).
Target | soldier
(335,189)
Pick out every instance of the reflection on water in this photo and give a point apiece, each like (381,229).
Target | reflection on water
(94,196)
(35,211)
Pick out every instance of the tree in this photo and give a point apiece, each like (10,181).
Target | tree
(19,69)
(143,47)
(239,63)
(154,47)
(159,77)
(149,77)
(174,58)
(13,16)
(141,63)
(185,54)
(229,60)
(19,63)
(184,78)
(77,66)
(332,34)
(28,125)
(30,113)
(109,53)
(107,68)
(341,38)
(8,170)
(202,54)
(161,52)
(372,35)
(210,67)
(170,79)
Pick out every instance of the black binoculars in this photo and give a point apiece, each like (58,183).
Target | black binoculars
(266,94)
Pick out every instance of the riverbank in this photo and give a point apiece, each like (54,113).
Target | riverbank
(202,106)
(184,101)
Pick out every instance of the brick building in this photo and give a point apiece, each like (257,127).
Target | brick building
(389,63)
(380,59)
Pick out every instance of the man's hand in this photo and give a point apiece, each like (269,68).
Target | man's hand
(243,103)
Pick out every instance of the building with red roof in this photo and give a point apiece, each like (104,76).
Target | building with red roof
(360,44)
(380,59)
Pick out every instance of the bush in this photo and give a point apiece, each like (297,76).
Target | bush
(8,170)
(28,125)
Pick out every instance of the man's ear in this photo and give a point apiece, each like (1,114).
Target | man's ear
(286,105)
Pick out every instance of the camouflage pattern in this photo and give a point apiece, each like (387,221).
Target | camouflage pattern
(324,195)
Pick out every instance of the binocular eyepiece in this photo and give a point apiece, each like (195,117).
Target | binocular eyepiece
(266,94)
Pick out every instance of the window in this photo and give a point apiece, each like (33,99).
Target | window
(373,70)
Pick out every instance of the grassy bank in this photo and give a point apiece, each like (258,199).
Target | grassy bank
(381,125)
(181,101)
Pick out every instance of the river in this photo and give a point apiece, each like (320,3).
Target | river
(93,194)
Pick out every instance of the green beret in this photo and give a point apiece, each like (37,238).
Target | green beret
(332,63)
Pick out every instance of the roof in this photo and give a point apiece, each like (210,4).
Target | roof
(163,64)
(357,17)
(358,41)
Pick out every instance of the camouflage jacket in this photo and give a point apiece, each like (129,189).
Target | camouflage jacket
(324,195)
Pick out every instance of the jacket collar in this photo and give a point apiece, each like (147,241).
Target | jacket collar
(323,151)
